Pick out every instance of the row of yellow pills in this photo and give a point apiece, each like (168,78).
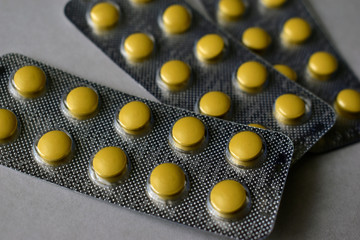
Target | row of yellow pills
(321,65)
(168,183)
(289,108)
(187,133)
(82,102)
(177,19)
(296,30)
(251,76)
(234,9)
(175,75)
(227,199)
(136,47)
(167,180)
(110,163)
(105,15)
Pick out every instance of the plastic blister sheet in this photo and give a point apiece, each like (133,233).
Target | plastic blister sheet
(204,170)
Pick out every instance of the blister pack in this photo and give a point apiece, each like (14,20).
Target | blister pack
(163,161)
(285,33)
(185,61)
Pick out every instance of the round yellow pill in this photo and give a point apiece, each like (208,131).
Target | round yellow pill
(244,147)
(296,30)
(251,76)
(321,65)
(110,163)
(215,104)
(228,197)
(8,124)
(188,133)
(210,47)
(256,38)
(286,71)
(176,19)
(348,103)
(134,117)
(257,125)
(273,3)
(104,15)
(29,81)
(82,102)
(167,180)
(138,46)
(54,146)
(231,9)
(175,74)
(289,108)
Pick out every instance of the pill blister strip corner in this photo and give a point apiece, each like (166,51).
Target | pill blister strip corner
(345,131)
(204,169)
(247,108)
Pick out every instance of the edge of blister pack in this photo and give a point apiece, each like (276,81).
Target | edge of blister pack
(346,130)
(246,107)
(263,184)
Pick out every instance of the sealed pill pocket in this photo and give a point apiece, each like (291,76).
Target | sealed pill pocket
(187,62)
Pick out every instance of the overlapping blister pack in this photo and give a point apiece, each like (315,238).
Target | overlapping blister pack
(145,156)
(291,39)
(185,61)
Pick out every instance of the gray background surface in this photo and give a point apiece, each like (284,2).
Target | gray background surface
(322,195)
